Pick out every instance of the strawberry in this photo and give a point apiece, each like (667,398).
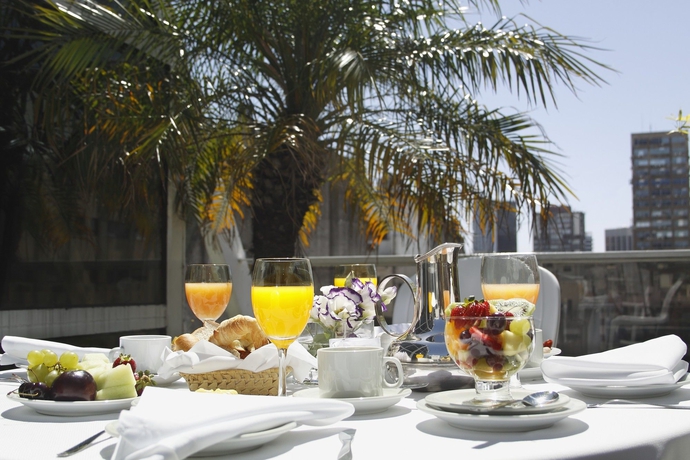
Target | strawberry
(125,359)
(144,380)
(470,308)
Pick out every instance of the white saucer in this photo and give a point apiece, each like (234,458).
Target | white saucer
(74,408)
(455,401)
(371,405)
(504,423)
(642,391)
(240,443)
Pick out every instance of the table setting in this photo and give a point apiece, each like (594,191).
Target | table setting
(352,399)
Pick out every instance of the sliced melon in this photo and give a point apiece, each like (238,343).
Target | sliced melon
(116,392)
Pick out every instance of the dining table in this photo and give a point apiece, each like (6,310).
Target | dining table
(401,431)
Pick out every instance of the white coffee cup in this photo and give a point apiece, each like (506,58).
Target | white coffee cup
(355,372)
(537,355)
(147,350)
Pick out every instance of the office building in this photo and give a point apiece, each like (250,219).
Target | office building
(501,238)
(564,232)
(660,191)
(619,239)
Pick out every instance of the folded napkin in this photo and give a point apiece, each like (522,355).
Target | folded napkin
(656,361)
(16,349)
(207,357)
(174,424)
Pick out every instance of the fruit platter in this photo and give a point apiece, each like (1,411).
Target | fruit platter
(67,386)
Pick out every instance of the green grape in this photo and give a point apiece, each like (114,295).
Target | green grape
(35,357)
(50,377)
(39,372)
(69,360)
(50,358)
(31,376)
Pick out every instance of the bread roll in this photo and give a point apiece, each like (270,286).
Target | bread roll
(240,335)
(186,341)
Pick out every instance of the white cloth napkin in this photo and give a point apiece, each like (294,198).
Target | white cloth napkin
(207,357)
(16,349)
(169,424)
(656,361)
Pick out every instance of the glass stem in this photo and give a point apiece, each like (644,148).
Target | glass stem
(282,381)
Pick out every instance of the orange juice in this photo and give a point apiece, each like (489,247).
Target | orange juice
(208,300)
(340,282)
(529,292)
(282,311)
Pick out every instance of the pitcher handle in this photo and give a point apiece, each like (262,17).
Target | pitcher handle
(415,310)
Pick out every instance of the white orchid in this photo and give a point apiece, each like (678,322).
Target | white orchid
(342,310)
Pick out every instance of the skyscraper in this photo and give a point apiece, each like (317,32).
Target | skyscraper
(503,239)
(661,203)
(619,239)
(565,231)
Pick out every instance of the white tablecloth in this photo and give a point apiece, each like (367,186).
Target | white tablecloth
(400,432)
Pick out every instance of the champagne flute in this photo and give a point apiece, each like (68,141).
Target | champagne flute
(282,296)
(208,288)
(510,276)
(365,272)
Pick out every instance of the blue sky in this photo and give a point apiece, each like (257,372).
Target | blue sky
(647,44)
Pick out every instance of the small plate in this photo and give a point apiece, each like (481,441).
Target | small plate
(554,352)
(74,408)
(642,391)
(504,423)
(454,401)
(371,405)
(242,443)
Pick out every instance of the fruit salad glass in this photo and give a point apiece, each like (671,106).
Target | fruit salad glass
(491,349)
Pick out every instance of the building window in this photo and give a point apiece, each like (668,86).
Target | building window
(642,224)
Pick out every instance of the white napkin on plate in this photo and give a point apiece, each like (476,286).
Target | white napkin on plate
(16,349)
(173,424)
(656,361)
(207,357)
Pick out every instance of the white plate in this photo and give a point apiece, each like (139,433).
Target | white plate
(452,401)
(642,391)
(504,423)
(554,352)
(234,445)
(371,405)
(74,408)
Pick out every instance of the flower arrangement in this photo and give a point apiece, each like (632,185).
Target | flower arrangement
(340,311)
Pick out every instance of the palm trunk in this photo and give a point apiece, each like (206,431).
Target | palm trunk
(284,189)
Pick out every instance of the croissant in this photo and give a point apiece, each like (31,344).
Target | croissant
(240,335)
(186,341)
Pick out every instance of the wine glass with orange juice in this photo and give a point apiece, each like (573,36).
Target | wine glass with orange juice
(208,288)
(282,296)
(365,272)
(510,276)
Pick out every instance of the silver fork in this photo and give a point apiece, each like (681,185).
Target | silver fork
(629,401)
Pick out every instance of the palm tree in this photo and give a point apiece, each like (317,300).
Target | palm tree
(257,105)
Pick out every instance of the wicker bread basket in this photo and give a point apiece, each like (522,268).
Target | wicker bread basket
(243,381)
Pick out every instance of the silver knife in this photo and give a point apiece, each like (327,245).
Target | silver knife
(346,438)
(81,446)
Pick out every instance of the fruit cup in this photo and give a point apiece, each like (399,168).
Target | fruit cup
(491,349)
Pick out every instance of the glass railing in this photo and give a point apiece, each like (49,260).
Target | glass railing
(608,299)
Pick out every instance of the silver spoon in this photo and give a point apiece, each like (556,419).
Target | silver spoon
(538,399)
